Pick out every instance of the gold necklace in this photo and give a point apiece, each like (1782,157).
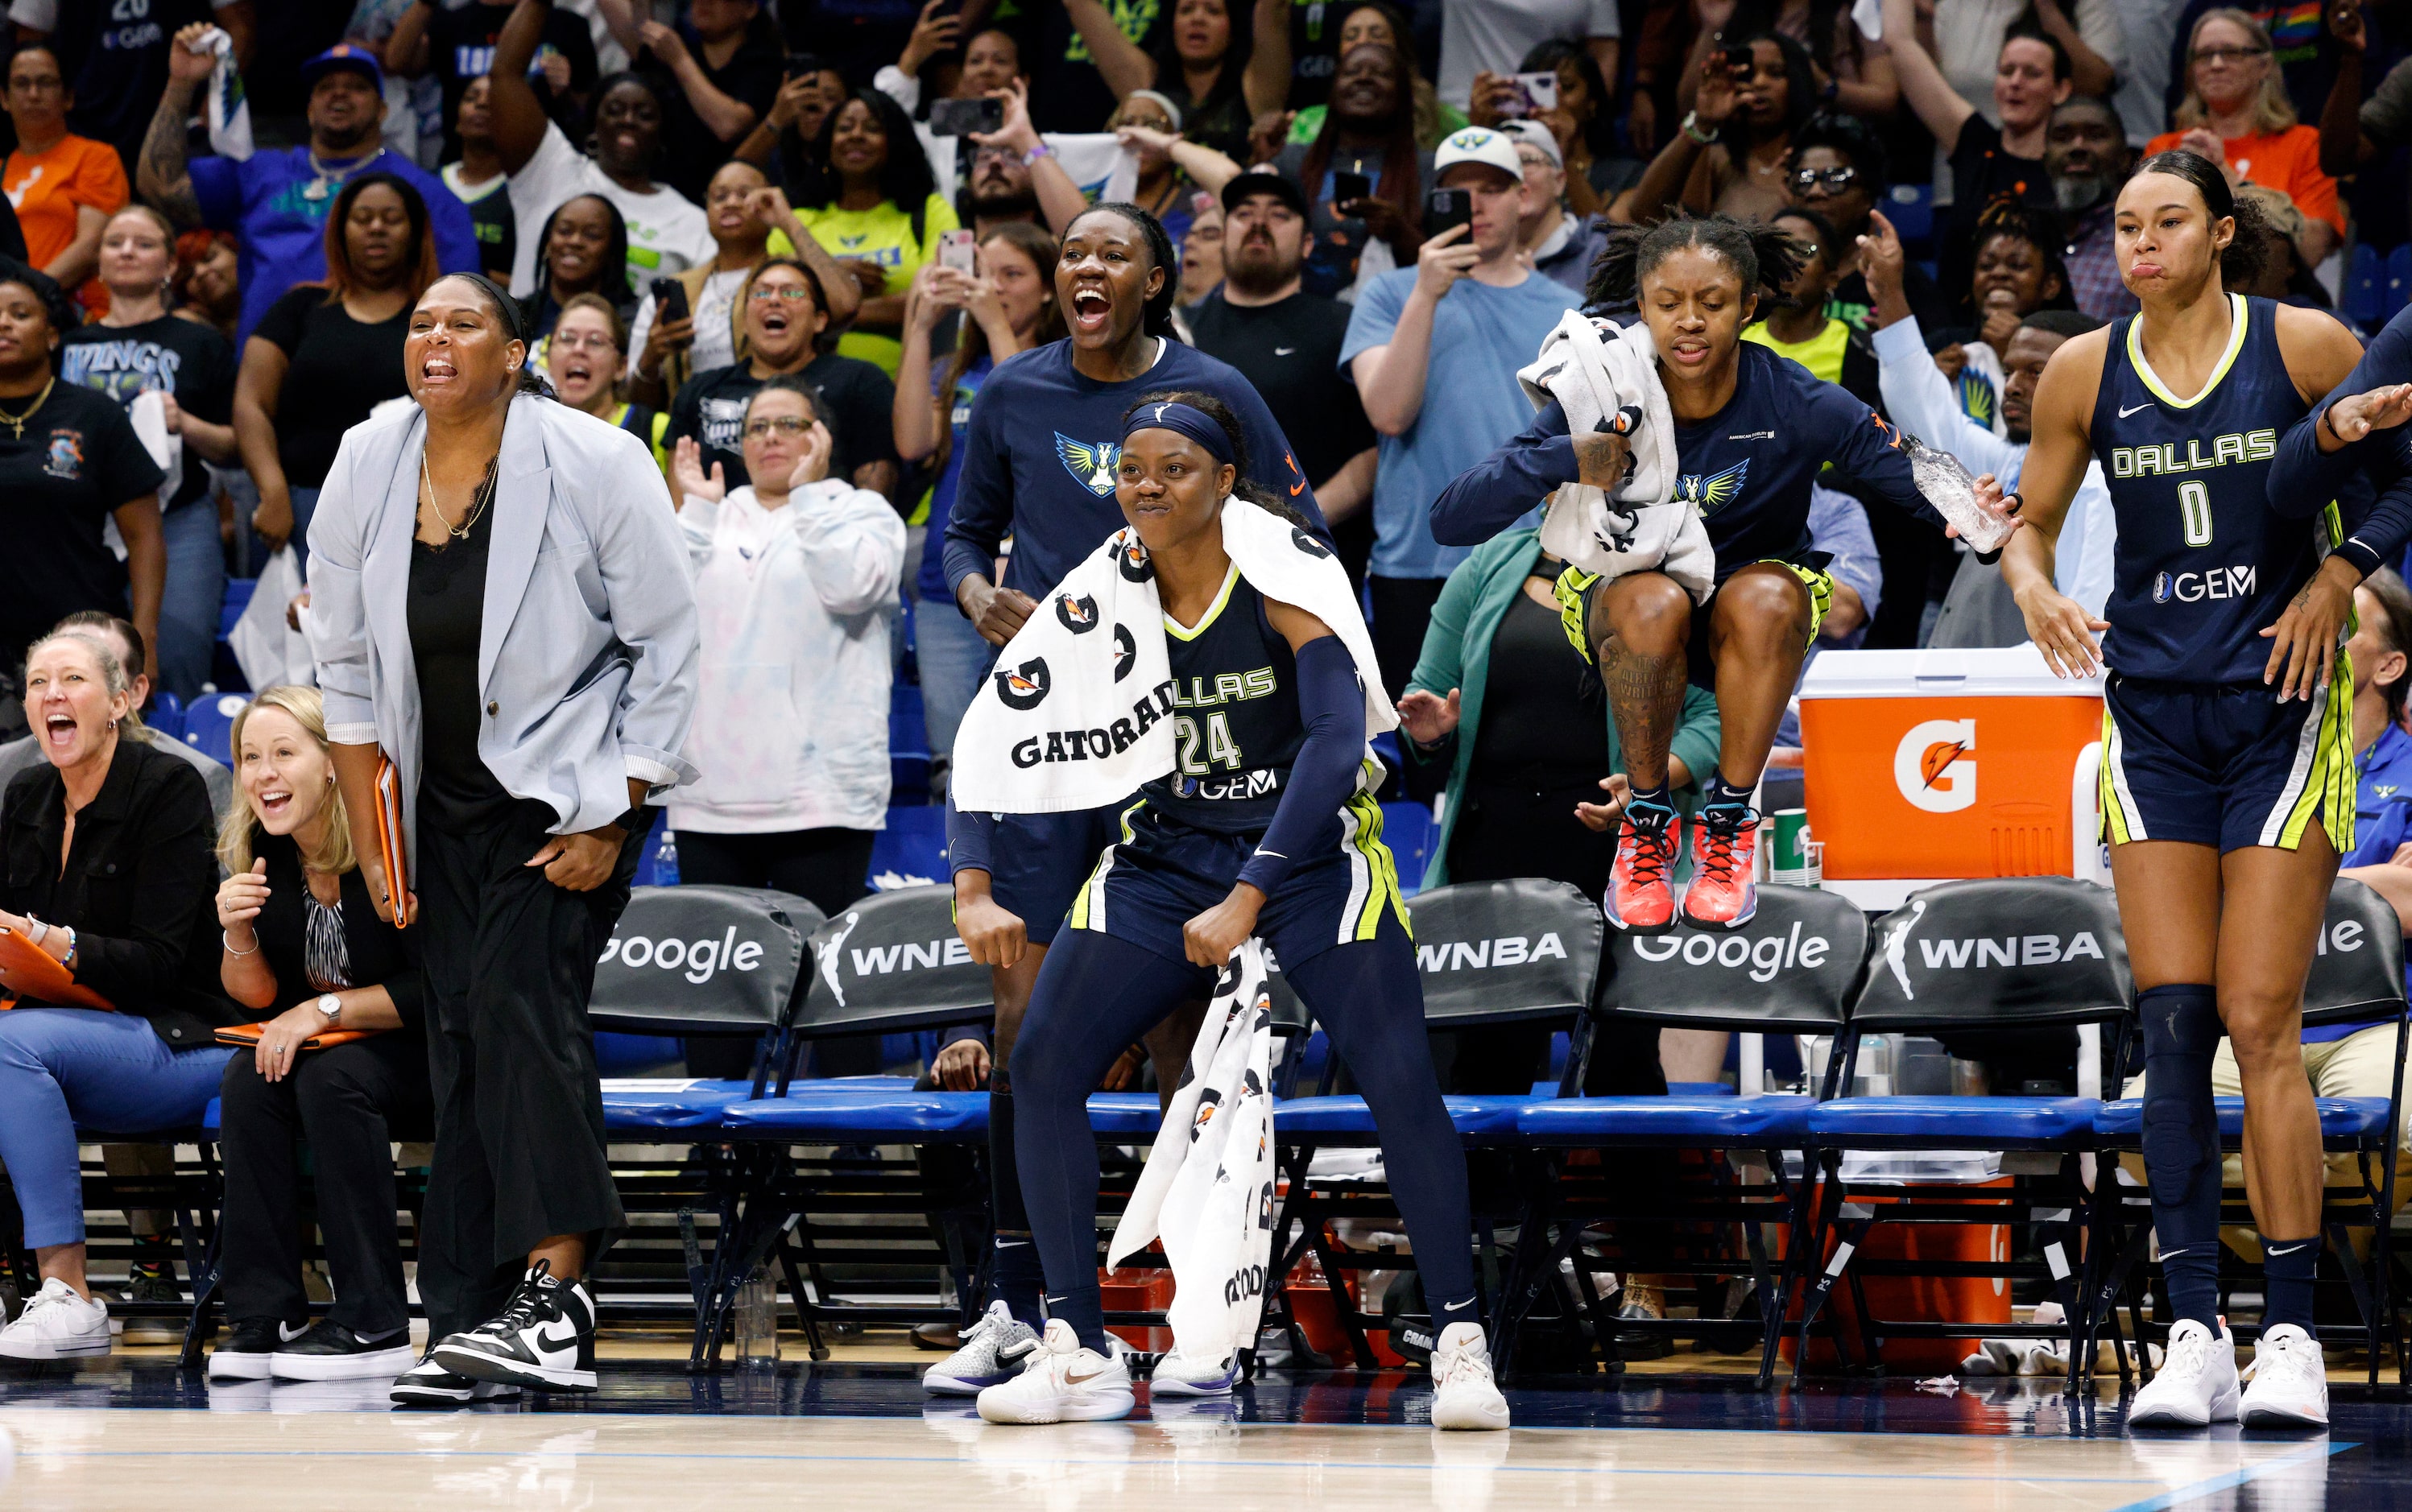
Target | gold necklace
(18,421)
(478,496)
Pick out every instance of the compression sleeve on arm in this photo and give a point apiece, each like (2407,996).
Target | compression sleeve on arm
(970,840)
(1332,704)
(1494,492)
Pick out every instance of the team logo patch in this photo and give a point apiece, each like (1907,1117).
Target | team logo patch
(1307,543)
(1714,492)
(1024,686)
(64,457)
(1133,561)
(1093,462)
(1077,615)
(2161,588)
(1126,651)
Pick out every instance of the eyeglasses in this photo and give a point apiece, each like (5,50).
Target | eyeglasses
(1834,180)
(995,154)
(2228,54)
(783,424)
(592,341)
(791,292)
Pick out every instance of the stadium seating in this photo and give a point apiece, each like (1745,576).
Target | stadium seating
(209,725)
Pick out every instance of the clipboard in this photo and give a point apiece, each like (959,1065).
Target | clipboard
(391,848)
(31,974)
(249,1034)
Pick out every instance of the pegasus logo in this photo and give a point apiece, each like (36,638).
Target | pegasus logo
(1093,462)
(1712,493)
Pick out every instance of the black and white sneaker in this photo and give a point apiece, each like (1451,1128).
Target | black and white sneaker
(543,1340)
(246,1354)
(330,1352)
(430,1385)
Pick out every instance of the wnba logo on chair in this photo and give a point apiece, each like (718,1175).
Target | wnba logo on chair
(1933,768)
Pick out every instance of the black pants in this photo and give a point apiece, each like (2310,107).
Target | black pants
(826,867)
(351,1103)
(509,960)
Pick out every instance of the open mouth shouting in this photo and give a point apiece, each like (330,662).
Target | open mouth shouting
(1093,307)
(59,731)
(275,801)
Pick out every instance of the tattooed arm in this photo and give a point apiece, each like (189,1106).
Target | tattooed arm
(164,176)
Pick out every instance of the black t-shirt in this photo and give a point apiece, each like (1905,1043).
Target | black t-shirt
(859,400)
(460,47)
(691,153)
(1536,732)
(1067,91)
(1290,353)
(115,53)
(1982,171)
(191,361)
(77,460)
(447,616)
(339,369)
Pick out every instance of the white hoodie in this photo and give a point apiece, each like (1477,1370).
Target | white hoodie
(791,722)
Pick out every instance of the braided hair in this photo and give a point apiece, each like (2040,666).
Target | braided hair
(1763,257)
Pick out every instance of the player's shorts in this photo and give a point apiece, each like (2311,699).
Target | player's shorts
(1577,592)
(2227,764)
(1038,861)
(1161,874)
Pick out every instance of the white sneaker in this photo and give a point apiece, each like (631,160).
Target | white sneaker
(1464,1395)
(1063,1382)
(543,1340)
(1177,1375)
(57,1323)
(992,1352)
(2197,1384)
(2290,1381)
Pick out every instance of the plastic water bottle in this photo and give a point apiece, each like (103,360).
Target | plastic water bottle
(757,1320)
(1952,491)
(666,873)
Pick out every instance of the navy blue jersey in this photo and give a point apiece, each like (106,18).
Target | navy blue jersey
(1042,447)
(2204,564)
(1749,466)
(1237,728)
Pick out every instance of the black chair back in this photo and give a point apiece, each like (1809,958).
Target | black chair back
(891,963)
(1788,971)
(2357,969)
(1998,952)
(1498,952)
(704,961)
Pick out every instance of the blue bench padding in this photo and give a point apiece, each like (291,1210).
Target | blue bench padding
(1325,1118)
(1126,1116)
(1957,1121)
(904,1117)
(1714,1120)
(679,1104)
(2341,1118)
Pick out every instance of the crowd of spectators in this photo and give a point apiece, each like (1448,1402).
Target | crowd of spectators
(788,244)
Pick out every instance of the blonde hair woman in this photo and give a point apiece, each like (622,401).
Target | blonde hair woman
(301,946)
(2236,114)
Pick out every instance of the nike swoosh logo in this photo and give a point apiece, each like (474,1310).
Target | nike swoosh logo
(2168,1254)
(1283,351)
(568,1340)
(1012,1243)
(1457,1307)
(1298,488)
(288,1335)
(1082,1380)
(2132,408)
(2273,1249)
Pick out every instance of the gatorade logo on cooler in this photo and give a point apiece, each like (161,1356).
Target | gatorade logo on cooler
(1933,768)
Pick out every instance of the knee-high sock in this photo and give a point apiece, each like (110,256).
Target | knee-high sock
(2287,1268)
(1013,1276)
(1094,996)
(2181,1142)
(1369,998)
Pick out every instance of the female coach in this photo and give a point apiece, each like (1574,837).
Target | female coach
(502,610)
(2228,782)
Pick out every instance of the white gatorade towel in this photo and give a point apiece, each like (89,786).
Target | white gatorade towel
(1208,1188)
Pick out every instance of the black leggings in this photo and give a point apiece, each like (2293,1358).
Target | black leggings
(1098,994)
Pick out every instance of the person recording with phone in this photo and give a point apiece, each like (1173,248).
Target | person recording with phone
(693,323)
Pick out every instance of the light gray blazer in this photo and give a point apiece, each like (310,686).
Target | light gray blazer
(587,658)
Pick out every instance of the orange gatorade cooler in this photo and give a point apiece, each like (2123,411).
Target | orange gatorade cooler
(1945,764)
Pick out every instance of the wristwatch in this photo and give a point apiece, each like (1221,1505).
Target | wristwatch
(331,1006)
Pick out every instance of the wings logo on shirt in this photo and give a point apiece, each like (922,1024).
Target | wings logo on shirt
(1091,462)
(1714,492)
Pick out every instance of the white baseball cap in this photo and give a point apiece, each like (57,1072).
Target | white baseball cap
(1477,144)
(1535,135)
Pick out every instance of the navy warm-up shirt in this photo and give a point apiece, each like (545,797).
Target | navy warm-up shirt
(2301,477)
(1749,466)
(1042,449)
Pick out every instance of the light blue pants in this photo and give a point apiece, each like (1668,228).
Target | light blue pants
(188,607)
(62,1067)
(951,655)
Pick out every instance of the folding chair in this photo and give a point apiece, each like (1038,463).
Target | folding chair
(1490,953)
(1789,970)
(2011,954)
(2356,977)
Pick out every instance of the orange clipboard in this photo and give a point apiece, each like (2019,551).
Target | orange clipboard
(32,975)
(391,850)
(248,1034)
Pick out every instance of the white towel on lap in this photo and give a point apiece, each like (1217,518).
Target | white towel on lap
(1078,712)
(1606,378)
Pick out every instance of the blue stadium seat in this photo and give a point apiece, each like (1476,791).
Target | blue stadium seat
(2365,287)
(166,716)
(1125,1117)
(1486,1119)
(1994,1123)
(209,725)
(908,744)
(885,1118)
(912,850)
(1408,829)
(1910,207)
(2341,1118)
(237,599)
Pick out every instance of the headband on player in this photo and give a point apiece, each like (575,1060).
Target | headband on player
(1186,420)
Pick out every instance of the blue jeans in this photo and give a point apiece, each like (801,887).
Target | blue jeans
(60,1067)
(188,607)
(951,655)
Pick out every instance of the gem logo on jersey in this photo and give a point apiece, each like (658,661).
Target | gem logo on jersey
(2194,587)
(1715,491)
(1077,615)
(1932,768)
(1093,462)
(1024,686)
